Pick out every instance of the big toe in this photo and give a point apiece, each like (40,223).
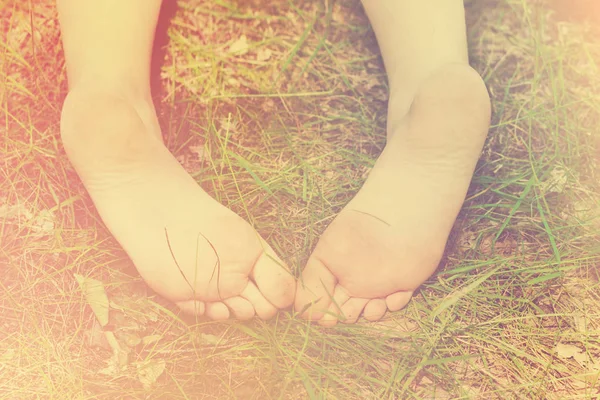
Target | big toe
(241,308)
(273,279)
(264,309)
(314,292)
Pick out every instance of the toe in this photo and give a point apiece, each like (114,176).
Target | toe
(273,278)
(398,300)
(352,309)
(334,312)
(241,308)
(263,308)
(192,307)
(217,311)
(315,289)
(375,310)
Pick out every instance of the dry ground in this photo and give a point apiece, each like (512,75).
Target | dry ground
(278,110)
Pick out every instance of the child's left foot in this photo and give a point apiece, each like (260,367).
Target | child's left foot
(389,239)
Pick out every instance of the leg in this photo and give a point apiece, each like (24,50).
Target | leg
(390,237)
(108,45)
(174,232)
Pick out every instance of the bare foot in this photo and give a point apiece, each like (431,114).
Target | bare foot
(389,239)
(188,248)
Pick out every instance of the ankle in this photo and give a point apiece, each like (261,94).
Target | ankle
(454,94)
(131,88)
(89,100)
(99,128)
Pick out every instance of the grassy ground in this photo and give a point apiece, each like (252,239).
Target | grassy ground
(278,110)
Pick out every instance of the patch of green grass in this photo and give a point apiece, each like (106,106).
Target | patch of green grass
(284,134)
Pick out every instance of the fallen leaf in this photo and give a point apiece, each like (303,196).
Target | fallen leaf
(211,339)
(556,182)
(233,82)
(263,54)
(119,359)
(149,372)
(581,322)
(146,340)
(120,353)
(129,339)
(95,296)
(581,358)
(110,370)
(240,46)
(43,222)
(95,336)
(14,212)
(566,351)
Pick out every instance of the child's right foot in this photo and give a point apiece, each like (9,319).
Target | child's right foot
(165,222)
(389,239)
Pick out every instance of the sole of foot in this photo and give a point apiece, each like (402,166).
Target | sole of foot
(391,236)
(187,247)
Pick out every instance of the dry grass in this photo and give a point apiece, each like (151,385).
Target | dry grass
(283,131)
